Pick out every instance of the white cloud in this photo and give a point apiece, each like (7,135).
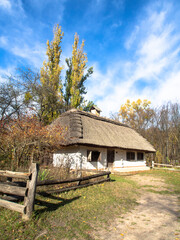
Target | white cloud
(156,20)
(3,41)
(98,84)
(34,54)
(132,38)
(169,89)
(156,60)
(6,4)
(116,24)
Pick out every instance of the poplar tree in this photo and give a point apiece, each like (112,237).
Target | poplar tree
(79,61)
(50,79)
(75,75)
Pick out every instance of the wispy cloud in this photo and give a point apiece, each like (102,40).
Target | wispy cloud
(34,55)
(23,35)
(132,38)
(5,4)
(155,63)
(3,41)
(5,73)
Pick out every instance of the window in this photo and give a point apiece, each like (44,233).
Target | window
(140,156)
(93,156)
(130,155)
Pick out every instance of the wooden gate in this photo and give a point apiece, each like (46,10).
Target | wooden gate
(28,192)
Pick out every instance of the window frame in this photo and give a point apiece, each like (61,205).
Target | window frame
(93,156)
(130,158)
(140,159)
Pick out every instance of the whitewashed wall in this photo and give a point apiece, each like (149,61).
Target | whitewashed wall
(120,160)
(93,165)
(70,157)
(76,158)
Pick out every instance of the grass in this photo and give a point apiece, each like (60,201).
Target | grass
(77,214)
(73,214)
(171,178)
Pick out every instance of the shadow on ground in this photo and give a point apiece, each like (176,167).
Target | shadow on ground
(49,206)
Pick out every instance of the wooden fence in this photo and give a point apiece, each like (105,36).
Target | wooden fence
(28,192)
(78,180)
(15,189)
(165,166)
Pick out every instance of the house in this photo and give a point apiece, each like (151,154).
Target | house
(94,142)
(95,110)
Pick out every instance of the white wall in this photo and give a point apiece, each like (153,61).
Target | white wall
(93,165)
(70,157)
(77,158)
(120,160)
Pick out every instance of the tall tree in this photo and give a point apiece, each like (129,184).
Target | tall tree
(10,104)
(50,78)
(75,75)
(138,114)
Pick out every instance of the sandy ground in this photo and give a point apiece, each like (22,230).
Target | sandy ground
(154,218)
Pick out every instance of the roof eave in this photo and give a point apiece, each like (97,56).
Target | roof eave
(76,142)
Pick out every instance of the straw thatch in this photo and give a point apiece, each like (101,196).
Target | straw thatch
(88,129)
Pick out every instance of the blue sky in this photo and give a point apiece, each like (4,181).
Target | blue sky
(133,45)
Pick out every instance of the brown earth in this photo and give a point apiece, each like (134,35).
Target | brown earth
(156,217)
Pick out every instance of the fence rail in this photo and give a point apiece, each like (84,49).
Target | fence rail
(27,192)
(165,166)
(14,174)
(78,180)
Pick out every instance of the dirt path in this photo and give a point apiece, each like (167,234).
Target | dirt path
(155,218)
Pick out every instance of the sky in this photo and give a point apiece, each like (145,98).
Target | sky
(133,45)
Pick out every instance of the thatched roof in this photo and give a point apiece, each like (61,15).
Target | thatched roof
(88,129)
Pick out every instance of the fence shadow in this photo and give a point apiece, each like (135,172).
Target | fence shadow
(49,206)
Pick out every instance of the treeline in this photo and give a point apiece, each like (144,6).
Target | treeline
(31,100)
(160,126)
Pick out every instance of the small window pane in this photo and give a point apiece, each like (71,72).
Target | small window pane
(93,156)
(140,156)
(130,155)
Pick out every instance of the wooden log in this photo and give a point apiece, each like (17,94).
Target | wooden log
(12,198)
(169,169)
(14,174)
(12,206)
(165,165)
(31,186)
(75,187)
(14,190)
(18,184)
(57,181)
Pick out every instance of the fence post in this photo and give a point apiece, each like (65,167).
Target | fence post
(152,164)
(31,191)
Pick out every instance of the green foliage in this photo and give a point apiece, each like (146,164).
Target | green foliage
(159,157)
(68,83)
(88,106)
(43,175)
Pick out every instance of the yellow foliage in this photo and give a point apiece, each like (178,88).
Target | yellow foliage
(50,77)
(136,113)
(79,60)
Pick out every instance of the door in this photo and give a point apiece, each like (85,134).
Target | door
(110,158)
